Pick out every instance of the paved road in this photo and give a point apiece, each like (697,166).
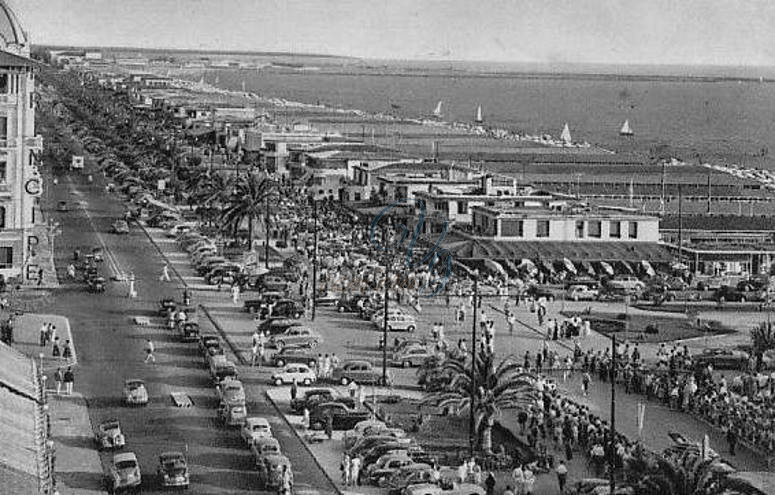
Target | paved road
(110,350)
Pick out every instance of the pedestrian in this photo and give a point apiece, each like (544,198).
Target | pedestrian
(355,471)
(235,294)
(55,352)
(489,483)
(67,351)
(287,480)
(361,395)
(329,428)
(345,467)
(294,390)
(40,276)
(69,379)
(254,354)
(43,334)
(352,389)
(71,271)
(149,348)
(52,332)
(59,377)
(165,273)
(562,475)
(585,379)
(305,419)
(731,439)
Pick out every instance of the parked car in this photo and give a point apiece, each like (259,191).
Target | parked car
(208,342)
(582,293)
(288,308)
(123,473)
(627,283)
(726,293)
(294,355)
(351,436)
(166,306)
(222,369)
(409,475)
(231,392)
(300,372)
(361,372)
(411,356)
(189,331)
(351,305)
(721,358)
(260,305)
(173,470)
(366,443)
(384,468)
(232,415)
(397,323)
(273,283)
(135,392)
(295,337)
(343,417)
(255,428)
(300,403)
(109,435)
(119,227)
(270,470)
(274,326)
(264,446)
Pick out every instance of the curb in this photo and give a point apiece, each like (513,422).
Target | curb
(223,335)
(148,235)
(303,443)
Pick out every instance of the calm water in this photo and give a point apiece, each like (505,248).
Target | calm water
(717,120)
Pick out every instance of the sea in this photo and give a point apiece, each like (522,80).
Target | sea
(711,117)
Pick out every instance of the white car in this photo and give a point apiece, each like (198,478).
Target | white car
(135,392)
(379,314)
(581,293)
(300,372)
(181,228)
(231,391)
(254,428)
(397,322)
(123,473)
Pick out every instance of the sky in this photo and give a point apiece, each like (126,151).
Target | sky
(688,32)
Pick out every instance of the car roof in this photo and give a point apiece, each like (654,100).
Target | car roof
(296,365)
(355,361)
(172,454)
(132,381)
(257,420)
(267,441)
(124,456)
(109,420)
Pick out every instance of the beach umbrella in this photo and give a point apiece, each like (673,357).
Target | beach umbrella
(526,264)
(626,267)
(648,268)
(607,268)
(679,266)
(569,266)
(494,266)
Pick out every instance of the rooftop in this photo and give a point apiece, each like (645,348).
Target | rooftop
(572,212)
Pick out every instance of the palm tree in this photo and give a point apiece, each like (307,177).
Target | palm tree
(762,340)
(501,387)
(246,201)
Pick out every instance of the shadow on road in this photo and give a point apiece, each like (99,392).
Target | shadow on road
(80,480)
(77,441)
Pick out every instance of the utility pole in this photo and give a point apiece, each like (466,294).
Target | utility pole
(680,224)
(612,446)
(472,406)
(266,245)
(315,257)
(385,319)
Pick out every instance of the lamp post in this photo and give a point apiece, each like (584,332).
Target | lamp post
(612,446)
(385,318)
(314,257)
(266,245)
(472,406)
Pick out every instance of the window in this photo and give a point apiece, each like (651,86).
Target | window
(542,228)
(462,208)
(3,171)
(2,217)
(633,230)
(594,229)
(579,229)
(512,228)
(32,100)
(3,130)
(6,257)
(615,229)
(357,196)
(3,83)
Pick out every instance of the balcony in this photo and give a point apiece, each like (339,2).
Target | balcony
(35,142)
(8,99)
(7,143)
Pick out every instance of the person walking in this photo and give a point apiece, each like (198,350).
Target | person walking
(294,390)
(69,379)
(731,439)
(345,468)
(59,378)
(165,273)
(43,334)
(235,294)
(71,271)
(254,354)
(562,475)
(489,483)
(585,379)
(355,471)
(67,351)
(149,348)
(55,351)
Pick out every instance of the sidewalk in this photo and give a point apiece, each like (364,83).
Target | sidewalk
(27,340)
(77,467)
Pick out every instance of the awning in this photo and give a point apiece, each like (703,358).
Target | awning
(626,268)
(546,265)
(495,267)
(606,268)
(569,266)
(648,268)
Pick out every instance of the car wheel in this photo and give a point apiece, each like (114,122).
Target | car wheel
(344,380)
(278,381)
(307,382)
(296,315)
(312,363)
(406,364)
(576,298)
(410,328)
(340,309)
(722,299)
(279,344)
(280,363)
(253,309)
(742,298)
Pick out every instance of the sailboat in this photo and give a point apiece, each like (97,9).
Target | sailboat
(217,79)
(479,118)
(202,80)
(626,130)
(437,111)
(243,85)
(565,136)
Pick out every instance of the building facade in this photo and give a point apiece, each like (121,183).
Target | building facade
(20,182)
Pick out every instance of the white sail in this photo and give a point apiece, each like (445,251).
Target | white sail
(565,136)
(626,130)
(243,85)
(202,80)
(437,110)
(479,119)
(217,79)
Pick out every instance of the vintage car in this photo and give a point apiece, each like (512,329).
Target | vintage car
(409,475)
(189,331)
(360,372)
(166,306)
(721,358)
(231,391)
(123,473)
(342,417)
(275,326)
(173,470)
(289,355)
(264,446)
(270,471)
(383,469)
(302,373)
(411,356)
(296,337)
(209,343)
(109,435)
(314,394)
(119,227)
(232,414)
(135,392)
(255,428)
(352,435)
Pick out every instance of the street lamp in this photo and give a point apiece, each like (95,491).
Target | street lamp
(314,257)
(388,259)
(471,407)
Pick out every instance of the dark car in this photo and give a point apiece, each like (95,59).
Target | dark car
(276,326)
(288,308)
(360,372)
(209,343)
(320,394)
(721,358)
(343,417)
(166,306)
(261,303)
(726,293)
(351,305)
(538,291)
(189,331)
(173,470)
(294,355)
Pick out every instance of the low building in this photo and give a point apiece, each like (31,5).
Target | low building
(399,181)
(575,223)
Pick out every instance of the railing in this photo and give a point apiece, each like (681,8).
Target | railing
(7,143)
(33,142)
(8,98)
